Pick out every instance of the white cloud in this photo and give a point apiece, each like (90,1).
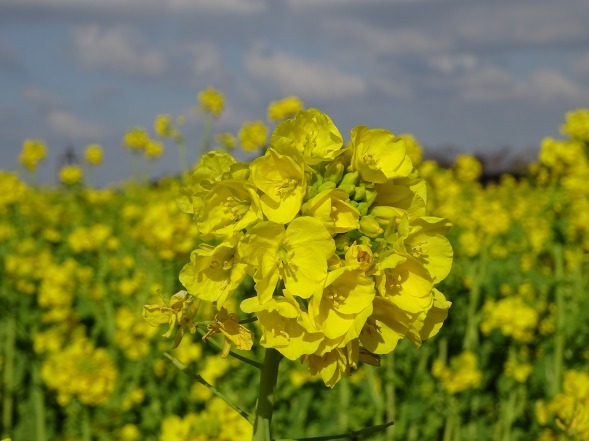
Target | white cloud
(303,5)
(207,59)
(41,97)
(363,36)
(306,78)
(492,83)
(452,63)
(150,6)
(70,126)
(547,85)
(225,6)
(116,50)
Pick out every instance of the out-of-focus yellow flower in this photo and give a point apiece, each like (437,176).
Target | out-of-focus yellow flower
(70,174)
(577,125)
(570,408)
(284,108)
(80,370)
(136,139)
(468,168)
(12,189)
(93,154)
(414,149)
(129,432)
(33,151)
(211,101)
(154,149)
(253,135)
(225,140)
(462,374)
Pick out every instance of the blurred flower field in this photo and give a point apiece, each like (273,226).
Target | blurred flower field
(78,361)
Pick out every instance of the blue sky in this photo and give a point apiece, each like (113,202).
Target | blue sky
(479,75)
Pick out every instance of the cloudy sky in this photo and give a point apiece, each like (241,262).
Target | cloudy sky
(475,74)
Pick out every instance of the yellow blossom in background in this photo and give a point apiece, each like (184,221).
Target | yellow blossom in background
(460,375)
(70,174)
(577,125)
(414,149)
(33,151)
(253,135)
(93,154)
(284,108)
(468,168)
(225,140)
(570,408)
(12,189)
(154,149)
(80,370)
(163,126)
(136,139)
(211,101)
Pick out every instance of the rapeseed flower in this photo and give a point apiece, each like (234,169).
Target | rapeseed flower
(253,135)
(33,151)
(93,154)
(284,108)
(70,174)
(337,240)
(211,101)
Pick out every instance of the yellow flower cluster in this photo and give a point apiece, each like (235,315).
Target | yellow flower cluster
(344,257)
(211,101)
(462,374)
(80,371)
(217,422)
(468,168)
(284,108)
(253,136)
(133,334)
(577,125)
(11,189)
(33,151)
(570,408)
(70,174)
(512,316)
(93,154)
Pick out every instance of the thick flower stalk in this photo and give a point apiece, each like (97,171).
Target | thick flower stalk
(344,257)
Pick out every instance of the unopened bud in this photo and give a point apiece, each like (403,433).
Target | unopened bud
(370,226)
(349,178)
(359,193)
(334,172)
(327,185)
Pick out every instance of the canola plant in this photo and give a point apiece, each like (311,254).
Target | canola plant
(336,255)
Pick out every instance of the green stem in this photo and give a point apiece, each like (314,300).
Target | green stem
(477,274)
(390,393)
(7,398)
(185,369)
(235,355)
(344,390)
(39,403)
(266,395)
(86,432)
(560,320)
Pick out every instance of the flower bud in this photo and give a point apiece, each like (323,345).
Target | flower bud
(334,172)
(370,226)
(349,178)
(370,195)
(327,185)
(348,188)
(359,193)
(362,208)
(311,193)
